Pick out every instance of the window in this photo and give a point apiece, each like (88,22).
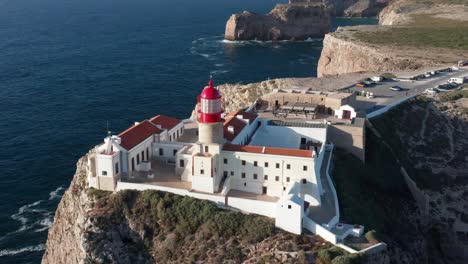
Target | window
(288,179)
(245,184)
(255,164)
(225,161)
(133,164)
(289,206)
(177,133)
(288,166)
(174,152)
(265,177)
(243,175)
(161,152)
(202,172)
(138,158)
(304,168)
(255,176)
(266,164)
(277,165)
(225,173)
(276,178)
(142,155)
(147,154)
(304,181)
(104,173)
(243,163)
(206,149)
(181,163)
(116,168)
(232,173)
(170,138)
(284,188)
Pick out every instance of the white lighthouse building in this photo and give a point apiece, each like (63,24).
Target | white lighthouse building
(240,160)
(207,154)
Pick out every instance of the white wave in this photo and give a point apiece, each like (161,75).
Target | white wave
(218,72)
(219,65)
(10,252)
(313,40)
(204,55)
(56,193)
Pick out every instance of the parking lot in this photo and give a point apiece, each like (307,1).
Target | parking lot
(384,96)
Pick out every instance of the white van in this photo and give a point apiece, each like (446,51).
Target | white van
(457,80)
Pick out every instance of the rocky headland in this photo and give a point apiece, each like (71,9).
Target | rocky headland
(412,35)
(284,22)
(350,8)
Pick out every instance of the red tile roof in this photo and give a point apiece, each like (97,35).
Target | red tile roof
(269,150)
(245,115)
(232,120)
(137,134)
(236,124)
(165,122)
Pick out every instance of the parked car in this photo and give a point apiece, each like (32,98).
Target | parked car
(456,80)
(431,91)
(377,78)
(396,88)
(361,84)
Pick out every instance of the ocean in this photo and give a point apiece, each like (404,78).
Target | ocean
(68,68)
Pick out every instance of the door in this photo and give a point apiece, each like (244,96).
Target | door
(264,190)
(346,114)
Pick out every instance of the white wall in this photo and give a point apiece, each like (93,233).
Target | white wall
(146,144)
(241,138)
(339,112)
(317,229)
(253,206)
(168,150)
(289,216)
(274,188)
(250,206)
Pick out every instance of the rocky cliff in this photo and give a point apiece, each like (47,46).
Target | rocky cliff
(341,54)
(92,226)
(400,12)
(284,22)
(350,8)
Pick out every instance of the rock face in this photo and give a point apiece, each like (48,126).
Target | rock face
(284,22)
(341,55)
(350,8)
(399,12)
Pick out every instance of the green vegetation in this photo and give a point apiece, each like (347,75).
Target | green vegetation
(407,119)
(425,31)
(336,255)
(453,95)
(181,229)
(388,76)
(373,194)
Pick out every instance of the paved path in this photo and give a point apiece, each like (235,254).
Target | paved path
(326,211)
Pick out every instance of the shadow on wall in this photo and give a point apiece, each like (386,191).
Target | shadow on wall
(349,138)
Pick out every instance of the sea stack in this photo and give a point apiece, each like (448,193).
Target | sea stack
(284,22)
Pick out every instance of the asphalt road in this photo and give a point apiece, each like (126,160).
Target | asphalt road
(384,96)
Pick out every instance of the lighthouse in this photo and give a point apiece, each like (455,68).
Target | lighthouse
(210,123)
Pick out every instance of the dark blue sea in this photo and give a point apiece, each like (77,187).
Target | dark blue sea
(67,67)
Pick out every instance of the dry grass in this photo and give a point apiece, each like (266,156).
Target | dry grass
(425,31)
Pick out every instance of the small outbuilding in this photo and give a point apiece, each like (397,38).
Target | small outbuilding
(345,112)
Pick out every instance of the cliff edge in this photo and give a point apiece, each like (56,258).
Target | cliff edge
(350,8)
(412,36)
(284,22)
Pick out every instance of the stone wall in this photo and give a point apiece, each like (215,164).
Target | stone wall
(349,137)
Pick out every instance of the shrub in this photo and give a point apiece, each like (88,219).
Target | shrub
(454,95)
(388,76)
(372,237)
(349,259)
(328,254)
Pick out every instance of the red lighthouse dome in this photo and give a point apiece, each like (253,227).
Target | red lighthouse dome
(210,109)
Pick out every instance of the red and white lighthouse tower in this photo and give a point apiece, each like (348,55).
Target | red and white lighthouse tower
(210,123)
